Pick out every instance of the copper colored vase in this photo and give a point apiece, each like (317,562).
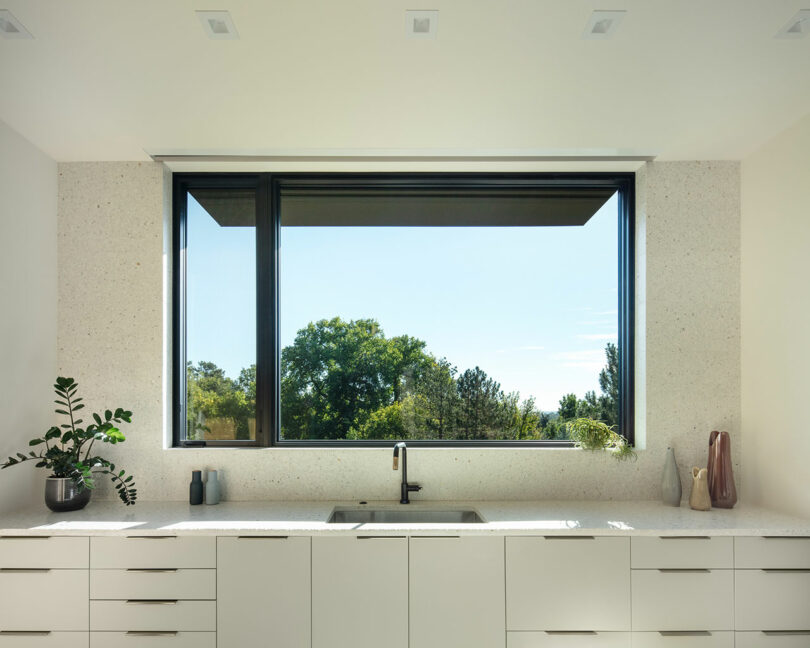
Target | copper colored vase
(720,473)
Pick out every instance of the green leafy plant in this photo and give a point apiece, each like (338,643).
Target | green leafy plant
(67,451)
(592,435)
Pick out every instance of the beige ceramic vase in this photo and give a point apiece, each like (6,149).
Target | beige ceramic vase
(700,500)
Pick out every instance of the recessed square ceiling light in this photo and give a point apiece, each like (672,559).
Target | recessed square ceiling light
(10,27)
(218,24)
(421,24)
(602,24)
(797,27)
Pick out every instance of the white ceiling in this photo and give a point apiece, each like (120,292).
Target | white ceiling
(685,79)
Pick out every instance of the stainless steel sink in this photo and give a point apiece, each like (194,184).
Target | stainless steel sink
(404,516)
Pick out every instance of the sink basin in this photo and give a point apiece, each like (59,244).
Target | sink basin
(404,516)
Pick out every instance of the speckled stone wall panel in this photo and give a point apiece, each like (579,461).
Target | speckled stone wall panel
(111,340)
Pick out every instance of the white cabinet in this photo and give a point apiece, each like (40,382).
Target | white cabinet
(118,584)
(683,639)
(673,552)
(44,552)
(788,639)
(153,616)
(153,552)
(263,592)
(785,552)
(359,592)
(43,639)
(456,592)
(152,640)
(568,640)
(772,600)
(568,583)
(683,600)
(43,600)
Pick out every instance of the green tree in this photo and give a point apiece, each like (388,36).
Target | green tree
(213,397)
(480,400)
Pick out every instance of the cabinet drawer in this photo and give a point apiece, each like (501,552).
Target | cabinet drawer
(772,553)
(44,552)
(43,640)
(567,640)
(44,600)
(772,600)
(683,640)
(772,639)
(146,552)
(570,584)
(682,553)
(187,584)
(683,600)
(153,640)
(179,616)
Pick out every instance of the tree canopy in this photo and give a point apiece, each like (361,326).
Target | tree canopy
(347,380)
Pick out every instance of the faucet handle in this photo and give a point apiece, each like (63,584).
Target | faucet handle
(414,487)
(396,462)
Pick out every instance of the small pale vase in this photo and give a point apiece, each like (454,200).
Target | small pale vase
(700,500)
(720,472)
(212,493)
(671,481)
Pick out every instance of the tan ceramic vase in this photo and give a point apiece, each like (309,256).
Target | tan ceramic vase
(720,474)
(699,499)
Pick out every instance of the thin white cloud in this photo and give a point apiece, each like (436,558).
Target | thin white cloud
(593,360)
(607,312)
(598,336)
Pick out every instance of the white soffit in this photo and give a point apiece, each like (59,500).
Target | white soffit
(689,80)
(10,27)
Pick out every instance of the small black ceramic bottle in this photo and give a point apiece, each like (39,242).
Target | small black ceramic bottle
(195,490)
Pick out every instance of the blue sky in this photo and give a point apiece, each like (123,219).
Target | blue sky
(533,307)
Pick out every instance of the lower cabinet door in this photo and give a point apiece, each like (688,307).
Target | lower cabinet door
(263,592)
(42,639)
(579,583)
(683,639)
(457,592)
(359,592)
(788,639)
(41,600)
(772,600)
(682,600)
(153,640)
(560,639)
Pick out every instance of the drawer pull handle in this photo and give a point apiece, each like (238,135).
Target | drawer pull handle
(16,570)
(685,571)
(151,602)
(570,632)
(25,633)
(786,571)
(153,570)
(780,633)
(568,537)
(786,537)
(436,537)
(380,537)
(685,633)
(262,537)
(151,633)
(152,537)
(684,538)
(23,537)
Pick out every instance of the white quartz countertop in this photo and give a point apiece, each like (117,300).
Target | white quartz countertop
(309,518)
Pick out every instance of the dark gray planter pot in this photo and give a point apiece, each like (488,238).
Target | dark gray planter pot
(62,494)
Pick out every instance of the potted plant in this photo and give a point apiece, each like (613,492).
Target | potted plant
(589,434)
(67,453)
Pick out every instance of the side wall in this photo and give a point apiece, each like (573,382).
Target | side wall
(776,320)
(111,301)
(28,296)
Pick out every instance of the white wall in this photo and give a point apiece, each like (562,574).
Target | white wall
(111,218)
(28,296)
(776,321)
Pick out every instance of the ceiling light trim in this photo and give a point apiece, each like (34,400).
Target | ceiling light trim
(218,25)
(796,27)
(602,24)
(11,27)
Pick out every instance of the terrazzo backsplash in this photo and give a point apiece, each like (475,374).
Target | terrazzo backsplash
(111,339)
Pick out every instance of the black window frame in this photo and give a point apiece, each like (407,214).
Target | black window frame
(268,187)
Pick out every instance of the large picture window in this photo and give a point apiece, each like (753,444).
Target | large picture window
(365,309)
